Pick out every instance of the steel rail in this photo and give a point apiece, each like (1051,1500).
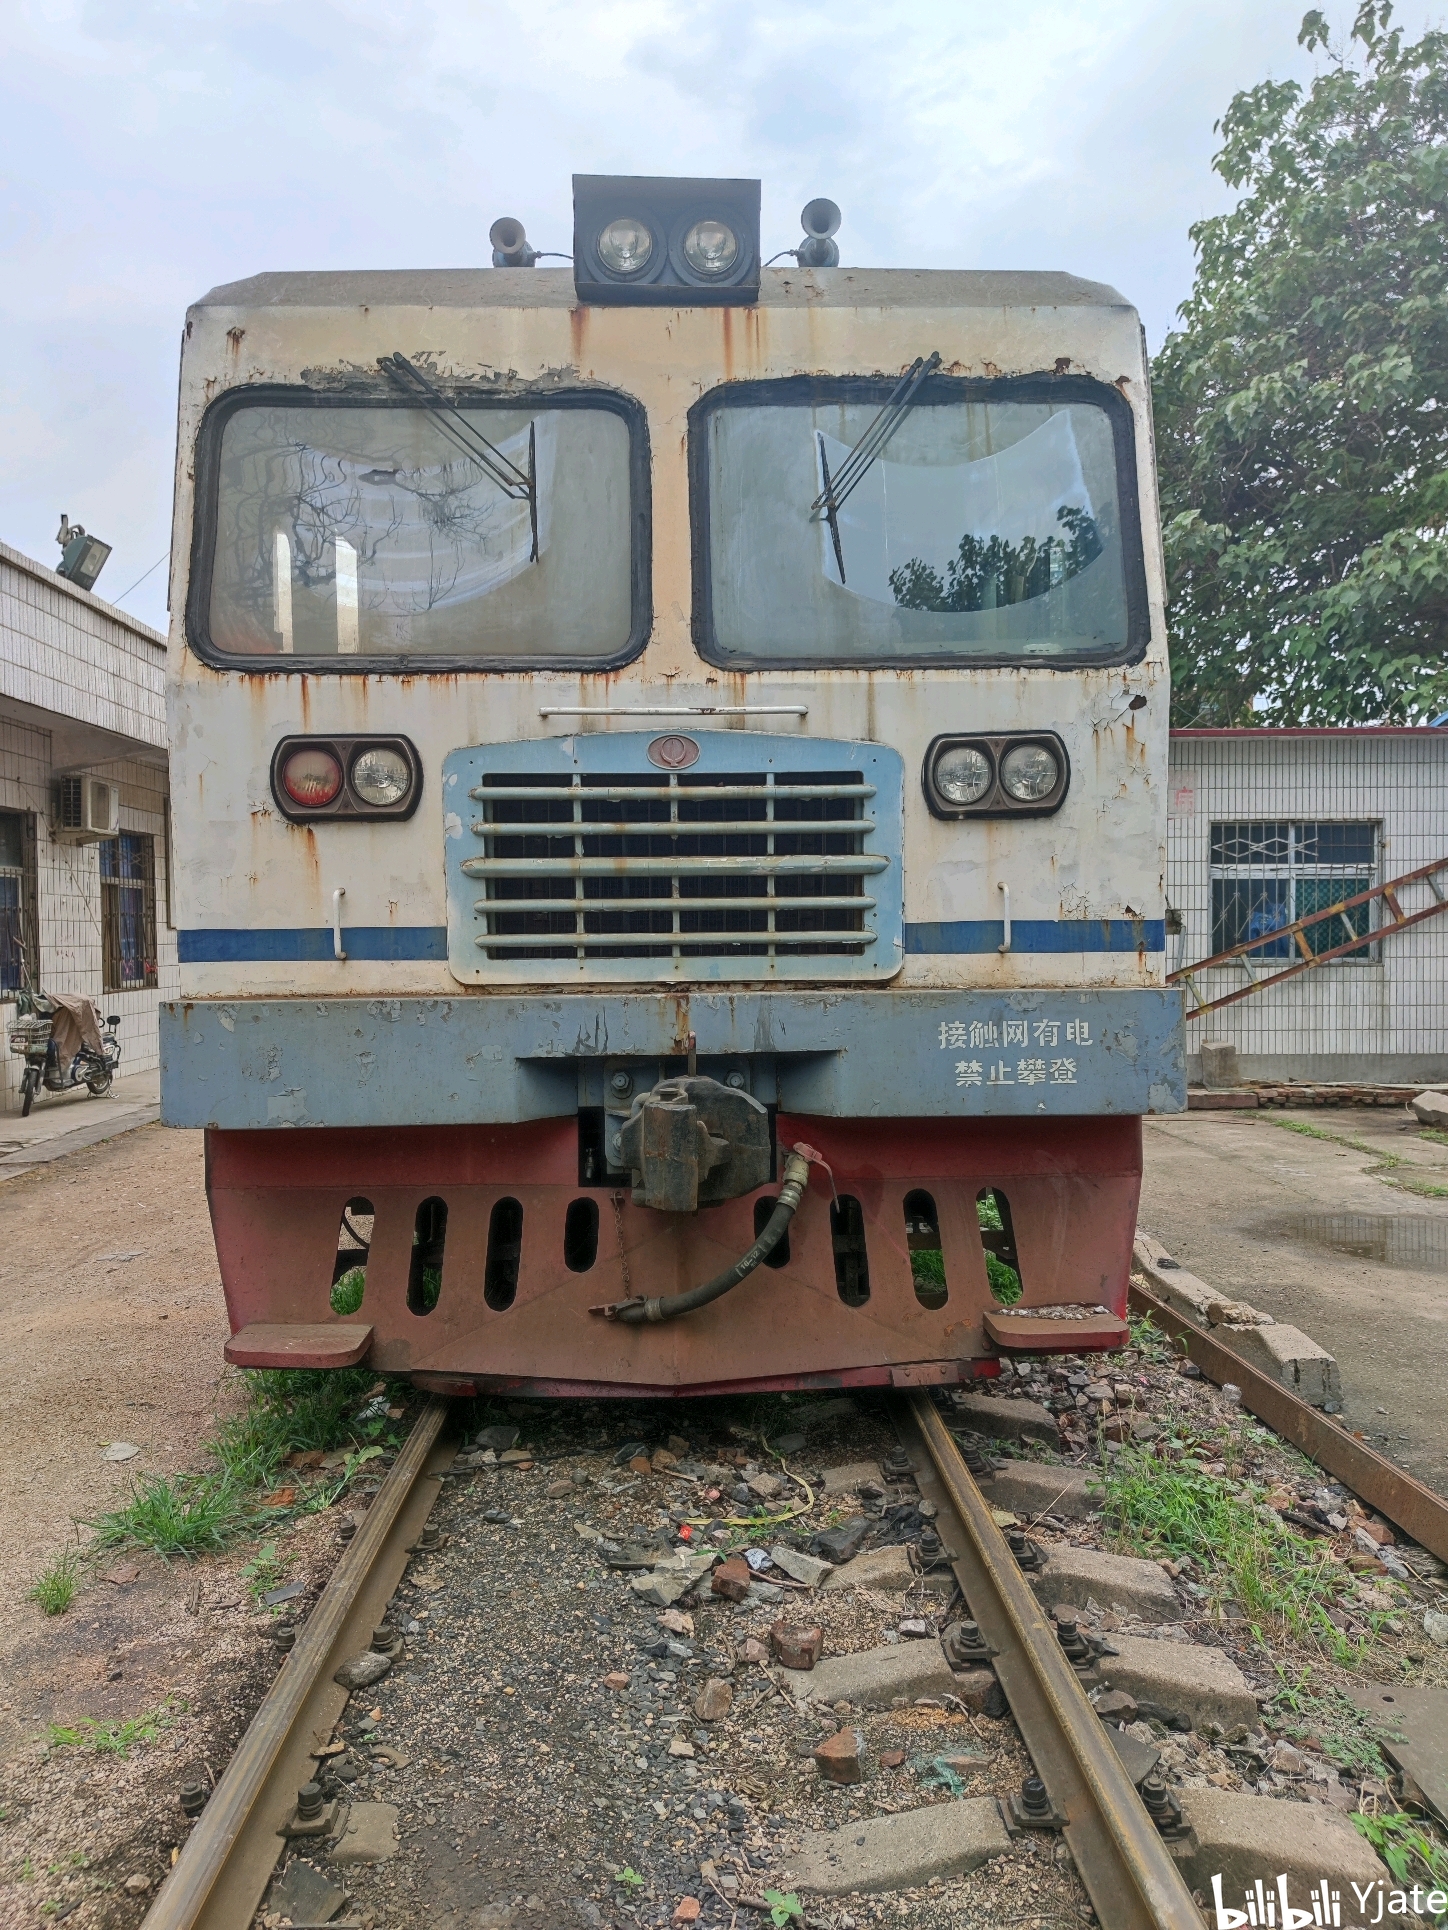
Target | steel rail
(1129,1873)
(1416,1509)
(224,1867)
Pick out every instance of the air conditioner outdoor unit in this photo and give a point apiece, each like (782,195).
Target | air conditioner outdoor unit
(87,809)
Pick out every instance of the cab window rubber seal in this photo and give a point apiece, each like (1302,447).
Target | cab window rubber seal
(380,395)
(873,391)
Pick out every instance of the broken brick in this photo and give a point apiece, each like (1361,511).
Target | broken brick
(731,1579)
(796,1648)
(838,1758)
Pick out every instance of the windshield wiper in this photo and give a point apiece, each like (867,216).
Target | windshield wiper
(856,465)
(519,486)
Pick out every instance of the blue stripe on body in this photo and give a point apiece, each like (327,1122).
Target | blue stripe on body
(394,942)
(222,947)
(1039,935)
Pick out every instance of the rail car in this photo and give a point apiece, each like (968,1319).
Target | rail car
(668,777)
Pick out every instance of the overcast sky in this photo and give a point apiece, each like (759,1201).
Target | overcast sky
(151,149)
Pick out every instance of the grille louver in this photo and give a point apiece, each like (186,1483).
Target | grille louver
(752,864)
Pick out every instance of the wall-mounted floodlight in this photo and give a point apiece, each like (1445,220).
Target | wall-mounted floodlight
(820,220)
(510,244)
(662,239)
(82,557)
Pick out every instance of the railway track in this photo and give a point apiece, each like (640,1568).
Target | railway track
(225,1865)
(1088,1795)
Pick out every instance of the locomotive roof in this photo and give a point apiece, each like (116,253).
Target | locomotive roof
(553,288)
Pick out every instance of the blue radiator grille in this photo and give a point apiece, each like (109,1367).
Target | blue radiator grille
(740,872)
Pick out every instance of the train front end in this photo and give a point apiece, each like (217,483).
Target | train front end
(640,760)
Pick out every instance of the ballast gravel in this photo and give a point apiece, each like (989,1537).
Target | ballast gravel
(557,1770)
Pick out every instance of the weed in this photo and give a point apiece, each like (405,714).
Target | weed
(927,1269)
(1002,1278)
(264,1571)
(291,1409)
(1411,1849)
(1432,1132)
(1349,1736)
(783,1909)
(1246,1553)
(110,1738)
(54,1588)
(178,1514)
(1388,1168)
(1148,1340)
(630,1879)
(347,1294)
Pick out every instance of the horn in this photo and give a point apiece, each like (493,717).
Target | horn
(510,244)
(820,218)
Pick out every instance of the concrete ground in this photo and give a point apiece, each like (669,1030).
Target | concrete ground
(111,1328)
(1328,1234)
(64,1122)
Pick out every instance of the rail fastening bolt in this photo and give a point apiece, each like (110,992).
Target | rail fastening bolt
(285,1636)
(975,1460)
(1034,1800)
(193,1796)
(309,1802)
(383,1636)
(346,1528)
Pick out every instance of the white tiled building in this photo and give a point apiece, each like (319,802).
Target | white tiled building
(82,690)
(1267,826)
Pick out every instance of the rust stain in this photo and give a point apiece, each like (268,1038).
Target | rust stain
(726,343)
(578,331)
(1063,362)
(234,339)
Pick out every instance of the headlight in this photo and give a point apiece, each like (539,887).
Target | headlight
(311,777)
(963,776)
(711,248)
(996,774)
(381,777)
(625,246)
(337,779)
(1030,772)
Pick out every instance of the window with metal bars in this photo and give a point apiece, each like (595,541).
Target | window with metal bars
(1267,874)
(18,923)
(128,912)
(613,865)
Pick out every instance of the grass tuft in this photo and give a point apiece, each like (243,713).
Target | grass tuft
(1246,1554)
(54,1588)
(1412,1849)
(1391,1170)
(110,1738)
(178,1514)
(288,1410)
(347,1294)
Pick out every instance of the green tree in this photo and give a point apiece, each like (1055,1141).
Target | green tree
(1302,408)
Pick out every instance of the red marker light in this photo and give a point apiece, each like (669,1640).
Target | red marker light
(311,777)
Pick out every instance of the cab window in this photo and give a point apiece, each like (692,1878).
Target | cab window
(986,522)
(486,532)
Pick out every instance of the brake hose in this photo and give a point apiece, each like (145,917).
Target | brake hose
(640,1309)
